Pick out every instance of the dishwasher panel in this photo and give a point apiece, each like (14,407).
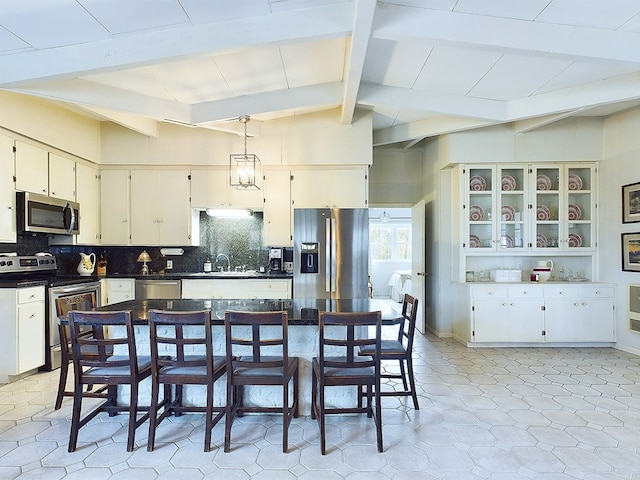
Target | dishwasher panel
(162,289)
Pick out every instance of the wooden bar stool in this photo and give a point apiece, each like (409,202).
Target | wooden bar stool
(106,368)
(182,354)
(401,350)
(338,364)
(259,360)
(66,356)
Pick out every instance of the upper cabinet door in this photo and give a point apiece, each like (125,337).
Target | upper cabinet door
(336,188)
(160,208)
(7,193)
(565,208)
(62,177)
(115,225)
(479,209)
(211,189)
(88,196)
(32,169)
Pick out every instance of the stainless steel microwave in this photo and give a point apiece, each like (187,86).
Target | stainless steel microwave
(41,214)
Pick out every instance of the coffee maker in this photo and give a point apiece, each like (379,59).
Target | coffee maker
(276,260)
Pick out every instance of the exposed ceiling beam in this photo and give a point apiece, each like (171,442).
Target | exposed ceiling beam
(357,50)
(426,128)
(400,22)
(139,124)
(423,101)
(611,90)
(524,126)
(149,47)
(319,96)
(91,94)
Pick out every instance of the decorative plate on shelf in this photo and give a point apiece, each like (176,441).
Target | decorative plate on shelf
(474,241)
(575,240)
(477,183)
(575,182)
(543,182)
(574,212)
(542,213)
(476,213)
(508,213)
(508,182)
(507,241)
(541,241)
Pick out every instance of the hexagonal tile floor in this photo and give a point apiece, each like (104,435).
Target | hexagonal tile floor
(530,413)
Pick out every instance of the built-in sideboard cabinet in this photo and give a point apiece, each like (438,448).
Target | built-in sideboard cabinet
(534,313)
(513,216)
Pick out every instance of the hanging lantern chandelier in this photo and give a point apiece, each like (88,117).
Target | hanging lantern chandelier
(244,168)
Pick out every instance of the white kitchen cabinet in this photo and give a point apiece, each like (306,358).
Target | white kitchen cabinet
(7,192)
(579,313)
(534,313)
(22,341)
(333,188)
(565,208)
(160,207)
(31,168)
(115,290)
(506,314)
(115,224)
(277,218)
(211,189)
(62,177)
(266,288)
(495,210)
(88,196)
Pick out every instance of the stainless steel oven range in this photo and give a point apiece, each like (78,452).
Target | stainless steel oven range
(63,293)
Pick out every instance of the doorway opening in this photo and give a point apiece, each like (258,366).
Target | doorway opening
(390,252)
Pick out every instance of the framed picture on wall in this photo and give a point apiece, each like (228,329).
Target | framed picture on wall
(631,252)
(631,203)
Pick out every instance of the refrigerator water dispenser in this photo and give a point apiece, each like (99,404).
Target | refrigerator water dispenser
(309,257)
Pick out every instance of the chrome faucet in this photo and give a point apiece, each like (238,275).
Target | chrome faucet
(222,255)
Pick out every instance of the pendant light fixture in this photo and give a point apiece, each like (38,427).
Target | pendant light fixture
(244,168)
(384,217)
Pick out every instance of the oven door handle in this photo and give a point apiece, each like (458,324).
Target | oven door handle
(75,288)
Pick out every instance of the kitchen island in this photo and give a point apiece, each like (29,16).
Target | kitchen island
(303,315)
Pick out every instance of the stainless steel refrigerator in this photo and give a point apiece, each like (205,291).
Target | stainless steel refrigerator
(330,253)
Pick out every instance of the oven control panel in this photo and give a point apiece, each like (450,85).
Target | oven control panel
(27,263)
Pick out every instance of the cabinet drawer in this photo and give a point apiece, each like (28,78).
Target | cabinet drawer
(489,292)
(30,294)
(524,291)
(273,285)
(121,285)
(561,292)
(597,292)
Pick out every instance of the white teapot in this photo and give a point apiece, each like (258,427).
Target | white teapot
(87,264)
(543,269)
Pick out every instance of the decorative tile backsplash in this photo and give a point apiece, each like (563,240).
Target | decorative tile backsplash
(239,239)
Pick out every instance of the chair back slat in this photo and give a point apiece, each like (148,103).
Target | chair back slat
(245,345)
(349,332)
(180,339)
(408,326)
(96,350)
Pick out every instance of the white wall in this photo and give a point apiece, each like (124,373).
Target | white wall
(313,139)
(620,166)
(47,123)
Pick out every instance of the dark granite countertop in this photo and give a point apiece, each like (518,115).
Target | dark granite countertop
(22,283)
(299,311)
(201,275)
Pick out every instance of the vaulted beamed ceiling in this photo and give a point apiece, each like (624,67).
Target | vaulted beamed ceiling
(422,67)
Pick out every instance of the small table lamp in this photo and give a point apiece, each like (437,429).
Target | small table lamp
(144,258)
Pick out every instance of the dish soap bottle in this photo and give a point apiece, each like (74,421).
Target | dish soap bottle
(207,265)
